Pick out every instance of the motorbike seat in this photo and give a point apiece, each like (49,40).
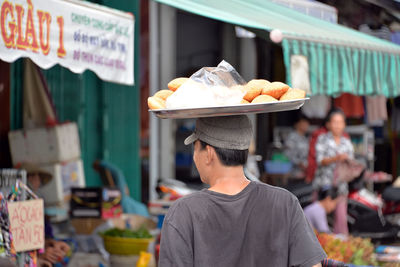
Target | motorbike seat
(391,194)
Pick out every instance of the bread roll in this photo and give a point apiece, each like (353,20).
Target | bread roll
(257,83)
(275,89)
(251,94)
(293,93)
(163,94)
(155,102)
(176,83)
(263,99)
(244,101)
(254,88)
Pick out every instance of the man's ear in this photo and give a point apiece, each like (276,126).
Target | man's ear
(210,155)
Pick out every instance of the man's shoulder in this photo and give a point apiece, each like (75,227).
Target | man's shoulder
(189,200)
(275,192)
(193,197)
(261,190)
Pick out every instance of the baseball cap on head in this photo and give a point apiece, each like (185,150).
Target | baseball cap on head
(230,132)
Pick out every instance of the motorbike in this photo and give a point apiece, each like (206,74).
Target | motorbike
(373,215)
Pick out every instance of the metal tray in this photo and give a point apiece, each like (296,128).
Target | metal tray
(188,113)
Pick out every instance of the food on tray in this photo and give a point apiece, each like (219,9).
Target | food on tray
(251,94)
(155,102)
(292,94)
(176,83)
(257,84)
(220,86)
(275,89)
(163,94)
(263,99)
(254,88)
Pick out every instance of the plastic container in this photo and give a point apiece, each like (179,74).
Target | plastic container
(123,261)
(126,245)
(277,167)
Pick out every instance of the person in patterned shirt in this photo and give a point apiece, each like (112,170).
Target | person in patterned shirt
(331,148)
(296,147)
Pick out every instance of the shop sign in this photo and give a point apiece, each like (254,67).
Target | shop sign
(27,224)
(75,34)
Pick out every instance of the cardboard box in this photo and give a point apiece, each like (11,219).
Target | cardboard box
(45,145)
(95,202)
(65,176)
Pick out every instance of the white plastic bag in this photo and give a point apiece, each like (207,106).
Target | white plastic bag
(209,87)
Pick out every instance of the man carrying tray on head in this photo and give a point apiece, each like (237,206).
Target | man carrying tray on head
(235,222)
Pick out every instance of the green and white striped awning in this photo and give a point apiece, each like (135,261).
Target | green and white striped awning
(340,59)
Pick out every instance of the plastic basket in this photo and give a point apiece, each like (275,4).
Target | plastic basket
(126,245)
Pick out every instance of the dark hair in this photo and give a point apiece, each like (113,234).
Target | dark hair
(328,191)
(301,117)
(334,111)
(229,157)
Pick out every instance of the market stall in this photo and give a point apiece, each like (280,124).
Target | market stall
(55,43)
(95,83)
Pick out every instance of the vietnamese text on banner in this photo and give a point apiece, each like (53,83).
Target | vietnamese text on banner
(27,224)
(77,35)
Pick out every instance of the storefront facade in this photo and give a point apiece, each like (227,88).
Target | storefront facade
(107,113)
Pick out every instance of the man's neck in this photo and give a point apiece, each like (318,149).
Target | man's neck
(228,180)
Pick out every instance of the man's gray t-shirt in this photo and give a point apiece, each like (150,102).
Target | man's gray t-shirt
(260,226)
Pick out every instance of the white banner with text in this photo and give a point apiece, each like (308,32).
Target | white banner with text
(75,34)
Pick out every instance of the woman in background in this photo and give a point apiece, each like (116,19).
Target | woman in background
(331,148)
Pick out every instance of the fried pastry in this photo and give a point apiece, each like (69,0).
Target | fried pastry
(263,99)
(155,102)
(293,93)
(176,83)
(275,89)
(163,94)
(254,88)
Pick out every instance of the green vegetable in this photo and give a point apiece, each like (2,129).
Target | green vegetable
(117,232)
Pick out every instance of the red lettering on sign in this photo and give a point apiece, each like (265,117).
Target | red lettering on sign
(9,39)
(38,234)
(44,17)
(23,215)
(13,35)
(21,41)
(61,50)
(30,35)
